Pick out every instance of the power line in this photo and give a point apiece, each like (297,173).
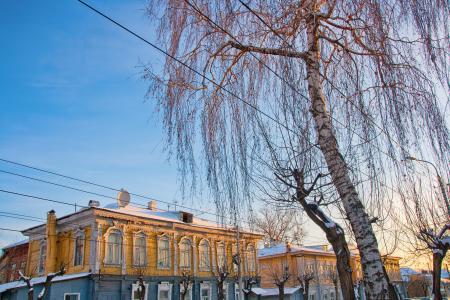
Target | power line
(90,183)
(9,229)
(221,87)
(22,215)
(185,65)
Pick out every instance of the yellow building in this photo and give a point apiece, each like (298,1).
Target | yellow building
(118,243)
(319,261)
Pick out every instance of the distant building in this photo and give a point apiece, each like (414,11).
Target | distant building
(13,259)
(106,249)
(317,260)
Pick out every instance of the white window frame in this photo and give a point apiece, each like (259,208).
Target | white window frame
(312,295)
(204,263)
(206,286)
(108,259)
(161,266)
(78,233)
(134,288)
(185,241)
(42,256)
(190,289)
(225,290)
(165,286)
(237,293)
(136,236)
(332,295)
(325,295)
(72,294)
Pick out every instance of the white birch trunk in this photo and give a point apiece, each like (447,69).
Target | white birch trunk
(376,284)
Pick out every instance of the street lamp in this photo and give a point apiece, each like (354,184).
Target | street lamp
(439,178)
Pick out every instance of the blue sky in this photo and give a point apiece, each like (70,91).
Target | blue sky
(72,101)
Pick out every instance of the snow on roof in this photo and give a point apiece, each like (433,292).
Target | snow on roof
(22,242)
(274,291)
(282,248)
(38,280)
(408,271)
(170,216)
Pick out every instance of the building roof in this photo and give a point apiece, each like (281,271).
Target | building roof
(38,280)
(152,214)
(284,248)
(274,291)
(22,242)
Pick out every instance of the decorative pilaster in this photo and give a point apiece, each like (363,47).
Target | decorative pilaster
(243,257)
(213,254)
(93,246)
(175,254)
(98,247)
(194,253)
(124,249)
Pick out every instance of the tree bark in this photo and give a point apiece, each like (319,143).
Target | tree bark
(335,236)
(437,268)
(376,283)
(281,291)
(220,295)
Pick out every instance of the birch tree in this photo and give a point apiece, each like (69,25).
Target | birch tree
(350,85)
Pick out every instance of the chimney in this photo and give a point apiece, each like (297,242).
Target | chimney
(186,217)
(94,203)
(50,264)
(152,205)
(288,247)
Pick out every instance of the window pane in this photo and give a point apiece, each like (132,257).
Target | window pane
(71,297)
(163,295)
(163,252)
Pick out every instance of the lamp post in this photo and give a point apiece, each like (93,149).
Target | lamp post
(439,178)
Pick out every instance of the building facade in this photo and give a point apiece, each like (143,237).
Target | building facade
(111,247)
(13,260)
(316,262)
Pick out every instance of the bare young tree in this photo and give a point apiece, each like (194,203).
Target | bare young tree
(249,282)
(280,225)
(304,279)
(354,81)
(141,284)
(186,281)
(221,275)
(47,283)
(279,272)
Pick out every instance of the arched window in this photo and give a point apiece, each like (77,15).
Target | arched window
(221,256)
(42,256)
(114,247)
(203,253)
(185,254)
(251,264)
(140,249)
(78,249)
(163,252)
